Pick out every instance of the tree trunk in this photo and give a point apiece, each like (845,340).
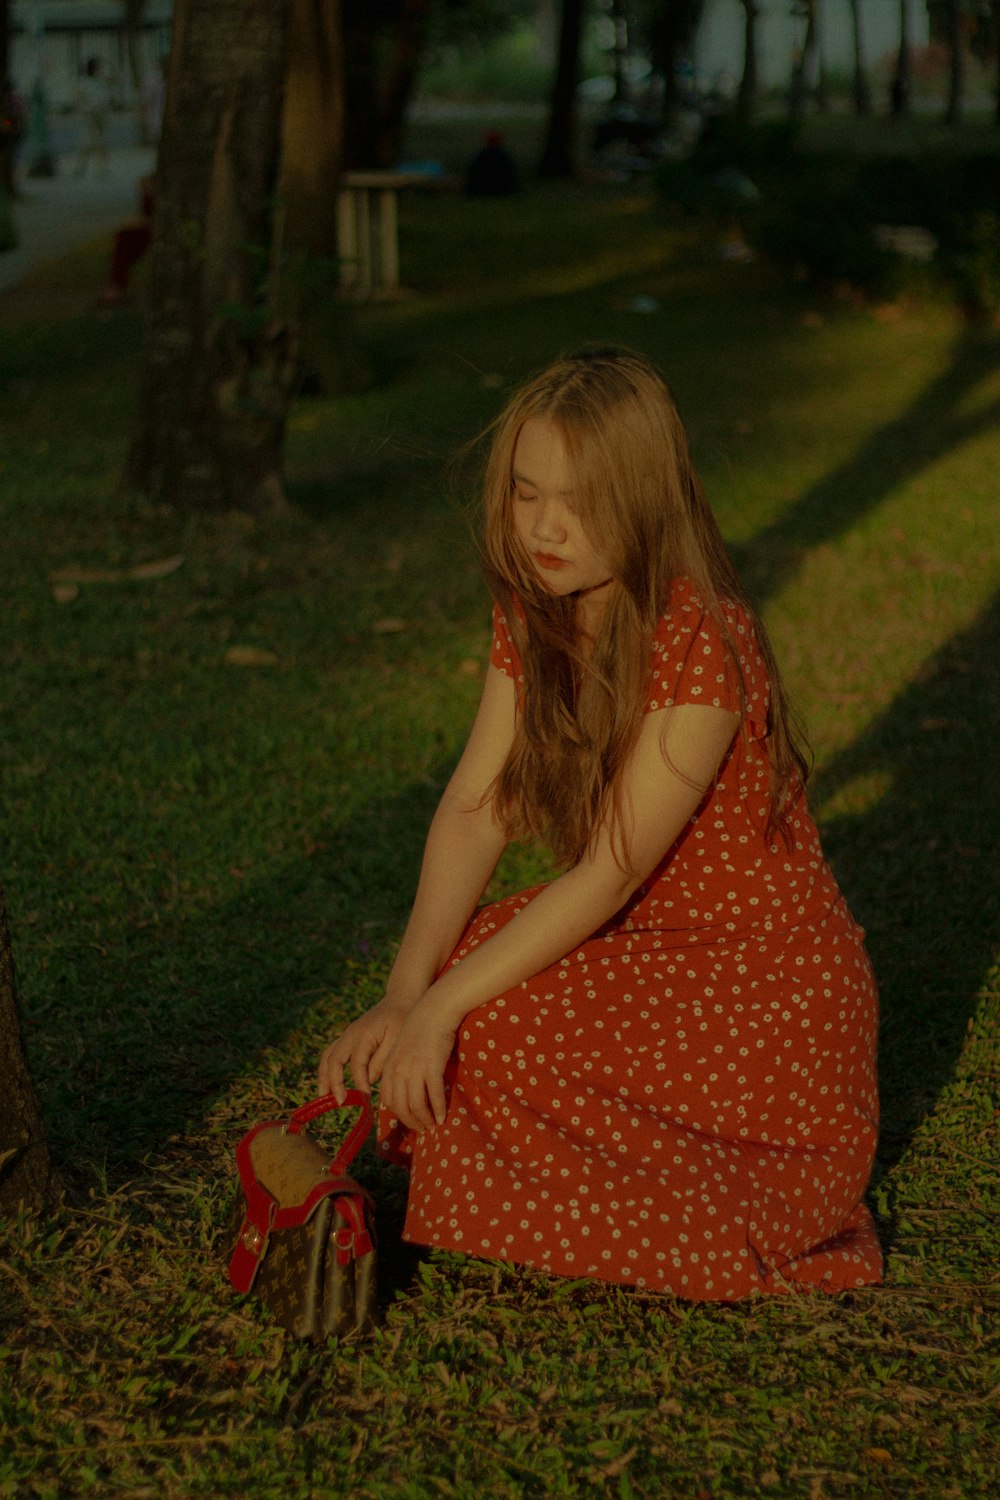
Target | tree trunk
(559,150)
(6,145)
(746,98)
(361,86)
(28,1178)
(619,51)
(902,80)
(313,128)
(996,44)
(131,21)
(672,25)
(862,93)
(822,80)
(798,86)
(956,63)
(401,78)
(219,364)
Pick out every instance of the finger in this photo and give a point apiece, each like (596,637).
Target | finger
(331,1075)
(359,1073)
(438,1100)
(378,1060)
(419,1107)
(394,1099)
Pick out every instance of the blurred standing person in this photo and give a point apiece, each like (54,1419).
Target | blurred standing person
(152,98)
(94,103)
(13,123)
(130,244)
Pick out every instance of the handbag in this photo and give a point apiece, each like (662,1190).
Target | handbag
(305,1230)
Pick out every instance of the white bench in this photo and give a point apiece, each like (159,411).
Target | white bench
(368,230)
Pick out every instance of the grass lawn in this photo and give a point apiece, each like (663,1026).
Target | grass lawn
(216,783)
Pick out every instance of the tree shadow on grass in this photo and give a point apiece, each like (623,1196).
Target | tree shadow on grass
(172,1015)
(920,863)
(934,424)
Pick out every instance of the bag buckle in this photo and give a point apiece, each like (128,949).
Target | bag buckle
(251,1238)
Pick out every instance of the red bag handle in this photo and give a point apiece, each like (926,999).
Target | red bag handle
(263,1213)
(357,1134)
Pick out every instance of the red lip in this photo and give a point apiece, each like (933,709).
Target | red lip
(547,560)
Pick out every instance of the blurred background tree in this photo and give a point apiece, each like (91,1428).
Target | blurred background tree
(861,89)
(746,97)
(666,30)
(558,157)
(902,78)
(220,361)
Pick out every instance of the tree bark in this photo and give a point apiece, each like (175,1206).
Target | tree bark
(28,1178)
(559,151)
(219,363)
(746,98)
(313,128)
(862,93)
(956,63)
(902,80)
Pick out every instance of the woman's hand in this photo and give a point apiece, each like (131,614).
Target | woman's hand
(363,1048)
(413,1074)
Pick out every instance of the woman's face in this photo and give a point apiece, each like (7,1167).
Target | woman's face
(561,553)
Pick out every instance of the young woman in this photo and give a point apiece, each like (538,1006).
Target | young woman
(659,1068)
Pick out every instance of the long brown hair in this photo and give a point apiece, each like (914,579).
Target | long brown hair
(640,501)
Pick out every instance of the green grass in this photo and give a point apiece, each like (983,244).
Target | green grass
(207,866)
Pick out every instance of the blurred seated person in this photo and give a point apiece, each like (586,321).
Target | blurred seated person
(131,242)
(492,172)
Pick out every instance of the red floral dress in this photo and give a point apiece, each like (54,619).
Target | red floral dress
(688,1101)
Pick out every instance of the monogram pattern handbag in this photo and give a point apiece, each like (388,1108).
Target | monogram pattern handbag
(305,1231)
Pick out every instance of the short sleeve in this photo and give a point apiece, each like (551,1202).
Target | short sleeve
(693,663)
(504,654)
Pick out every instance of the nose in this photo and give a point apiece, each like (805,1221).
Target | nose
(549,521)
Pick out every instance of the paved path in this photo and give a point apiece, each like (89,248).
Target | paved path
(57,213)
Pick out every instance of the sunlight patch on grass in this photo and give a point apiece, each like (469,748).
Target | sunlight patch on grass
(856,797)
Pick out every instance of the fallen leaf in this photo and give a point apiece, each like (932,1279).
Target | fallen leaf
(161,568)
(64,593)
(388,626)
(87,575)
(879,1455)
(250,656)
(469,667)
